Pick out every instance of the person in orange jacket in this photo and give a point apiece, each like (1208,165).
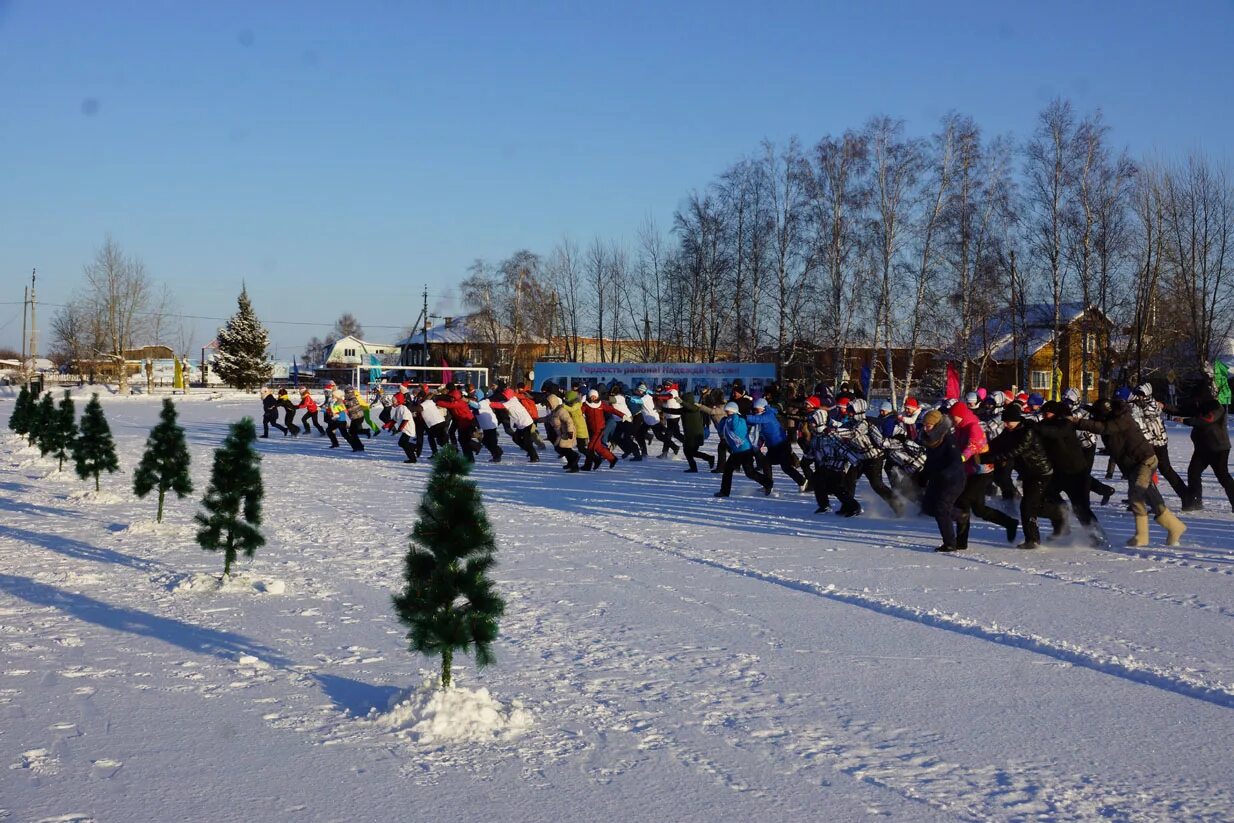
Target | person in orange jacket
(310,412)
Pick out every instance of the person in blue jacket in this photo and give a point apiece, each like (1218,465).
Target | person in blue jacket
(734,433)
(779,449)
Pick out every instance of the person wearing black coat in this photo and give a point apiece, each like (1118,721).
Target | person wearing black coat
(270,413)
(945,480)
(1211,439)
(1072,467)
(1134,455)
(1019,445)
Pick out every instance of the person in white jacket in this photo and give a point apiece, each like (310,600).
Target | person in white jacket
(486,418)
(434,428)
(403,423)
(520,421)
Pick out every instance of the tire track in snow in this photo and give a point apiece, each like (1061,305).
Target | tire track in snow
(1051,574)
(1127,668)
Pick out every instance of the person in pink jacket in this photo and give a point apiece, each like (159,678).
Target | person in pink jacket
(971,441)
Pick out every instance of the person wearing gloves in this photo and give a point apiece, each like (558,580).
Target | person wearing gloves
(623,432)
(865,441)
(670,401)
(690,415)
(1088,442)
(910,417)
(1211,439)
(1019,445)
(310,412)
(833,460)
(432,423)
(970,438)
(735,434)
(779,449)
(714,408)
(403,423)
(289,413)
(563,425)
(464,420)
(595,413)
(945,481)
(574,405)
(355,414)
(270,413)
(1147,414)
(1071,465)
(336,421)
(1134,456)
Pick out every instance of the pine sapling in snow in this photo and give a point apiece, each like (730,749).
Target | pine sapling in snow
(94,451)
(19,420)
(233,499)
(61,433)
(33,419)
(165,464)
(449,604)
(45,414)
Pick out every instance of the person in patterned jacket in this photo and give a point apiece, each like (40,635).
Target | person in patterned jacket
(1146,412)
(833,460)
(865,441)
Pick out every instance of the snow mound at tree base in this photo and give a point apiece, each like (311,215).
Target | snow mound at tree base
(157,529)
(433,715)
(65,475)
(242,583)
(91,496)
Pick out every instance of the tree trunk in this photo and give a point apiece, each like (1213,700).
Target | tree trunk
(447,658)
(161,494)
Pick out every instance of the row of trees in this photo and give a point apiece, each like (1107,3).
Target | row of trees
(877,238)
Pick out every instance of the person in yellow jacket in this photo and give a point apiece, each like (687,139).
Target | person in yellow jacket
(362,399)
(574,404)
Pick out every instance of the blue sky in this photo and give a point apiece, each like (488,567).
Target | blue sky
(341,156)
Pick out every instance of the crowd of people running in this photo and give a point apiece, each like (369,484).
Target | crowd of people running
(947,459)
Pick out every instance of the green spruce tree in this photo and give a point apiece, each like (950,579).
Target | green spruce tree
(94,451)
(34,419)
(241,358)
(61,433)
(233,499)
(165,464)
(19,420)
(45,414)
(449,603)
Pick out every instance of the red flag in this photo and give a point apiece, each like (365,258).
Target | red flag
(953,383)
(447,376)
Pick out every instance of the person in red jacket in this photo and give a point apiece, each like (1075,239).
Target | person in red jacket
(595,412)
(971,441)
(310,412)
(464,420)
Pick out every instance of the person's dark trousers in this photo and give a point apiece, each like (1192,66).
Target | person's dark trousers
(782,455)
(972,499)
(1167,471)
(625,440)
(610,431)
(671,431)
(1004,481)
(721,457)
(353,434)
(452,432)
(828,482)
(1202,459)
(873,471)
(1034,504)
(269,419)
(692,446)
(464,432)
(310,418)
(437,436)
(941,501)
(744,460)
(1096,486)
(1077,488)
(523,439)
(289,420)
(904,483)
(408,446)
(642,436)
(503,420)
(489,439)
(662,434)
(571,456)
(384,416)
(332,426)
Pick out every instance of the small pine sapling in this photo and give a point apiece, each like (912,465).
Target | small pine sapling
(94,451)
(449,603)
(45,417)
(165,464)
(33,420)
(233,498)
(19,420)
(62,432)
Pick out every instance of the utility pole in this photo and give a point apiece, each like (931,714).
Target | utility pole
(424,351)
(25,302)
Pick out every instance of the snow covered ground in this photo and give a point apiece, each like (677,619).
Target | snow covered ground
(664,656)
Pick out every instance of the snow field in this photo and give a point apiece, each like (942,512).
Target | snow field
(663,655)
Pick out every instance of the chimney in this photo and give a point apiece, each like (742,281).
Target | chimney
(449,321)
